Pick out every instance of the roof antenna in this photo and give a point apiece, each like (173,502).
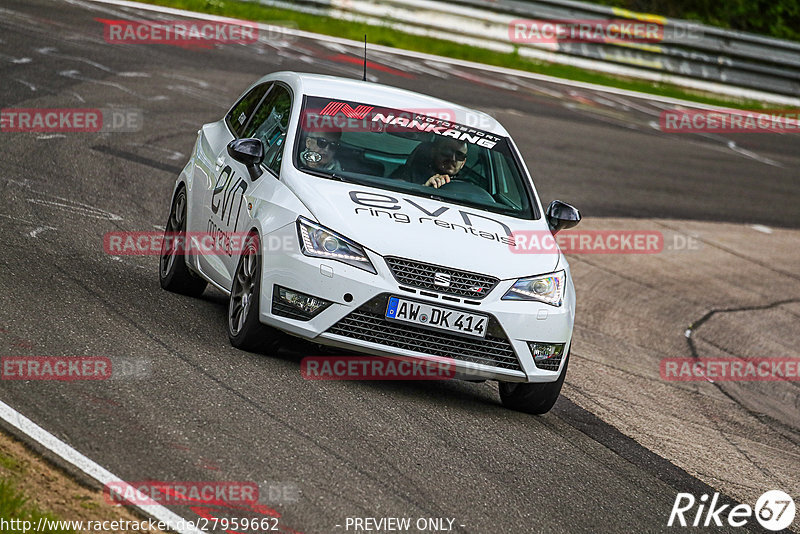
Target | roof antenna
(365,58)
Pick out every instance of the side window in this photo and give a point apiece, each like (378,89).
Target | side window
(477,164)
(237,117)
(269,124)
(506,184)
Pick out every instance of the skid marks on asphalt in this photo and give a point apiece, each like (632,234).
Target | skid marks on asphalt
(78,208)
(74,74)
(49,200)
(37,229)
(619,110)
(53,52)
(15,342)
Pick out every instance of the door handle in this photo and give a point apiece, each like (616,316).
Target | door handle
(220,162)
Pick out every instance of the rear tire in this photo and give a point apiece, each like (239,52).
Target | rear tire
(245,330)
(535,398)
(173,273)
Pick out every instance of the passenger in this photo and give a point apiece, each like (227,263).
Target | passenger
(321,149)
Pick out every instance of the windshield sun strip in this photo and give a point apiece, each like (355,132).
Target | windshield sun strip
(505,207)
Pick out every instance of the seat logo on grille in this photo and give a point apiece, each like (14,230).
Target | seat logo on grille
(441,279)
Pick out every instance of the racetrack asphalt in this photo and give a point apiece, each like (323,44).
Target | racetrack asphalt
(207,411)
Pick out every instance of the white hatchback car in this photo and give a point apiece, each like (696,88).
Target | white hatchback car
(381,221)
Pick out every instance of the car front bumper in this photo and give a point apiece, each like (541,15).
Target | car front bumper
(354,321)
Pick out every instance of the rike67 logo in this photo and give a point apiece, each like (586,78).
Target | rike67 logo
(774,510)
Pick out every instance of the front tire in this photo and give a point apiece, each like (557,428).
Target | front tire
(535,398)
(173,274)
(245,330)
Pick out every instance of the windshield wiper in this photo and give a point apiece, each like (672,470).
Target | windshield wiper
(323,174)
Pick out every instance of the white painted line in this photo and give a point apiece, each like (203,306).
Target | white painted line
(77,208)
(39,230)
(16,219)
(29,85)
(709,86)
(761,228)
(68,454)
(750,154)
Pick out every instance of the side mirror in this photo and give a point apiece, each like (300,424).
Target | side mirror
(561,216)
(249,152)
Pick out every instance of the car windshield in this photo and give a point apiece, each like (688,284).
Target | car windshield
(411,151)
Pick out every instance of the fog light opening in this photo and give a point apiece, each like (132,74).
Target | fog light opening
(546,356)
(296,305)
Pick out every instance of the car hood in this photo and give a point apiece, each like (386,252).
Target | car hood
(432,231)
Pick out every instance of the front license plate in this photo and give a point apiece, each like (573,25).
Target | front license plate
(437,317)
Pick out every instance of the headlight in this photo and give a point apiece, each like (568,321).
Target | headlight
(548,289)
(319,242)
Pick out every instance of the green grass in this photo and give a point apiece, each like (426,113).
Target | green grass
(774,18)
(383,35)
(15,505)
(87,503)
(10,463)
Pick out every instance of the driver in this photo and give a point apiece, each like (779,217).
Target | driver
(320,152)
(447,158)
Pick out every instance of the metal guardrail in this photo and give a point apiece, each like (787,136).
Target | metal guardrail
(688,49)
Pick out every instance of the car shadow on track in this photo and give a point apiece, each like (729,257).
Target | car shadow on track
(453,392)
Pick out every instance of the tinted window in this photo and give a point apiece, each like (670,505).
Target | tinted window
(409,151)
(507,186)
(269,123)
(241,112)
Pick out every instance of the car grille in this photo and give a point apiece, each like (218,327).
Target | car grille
(424,275)
(284,310)
(550,364)
(367,323)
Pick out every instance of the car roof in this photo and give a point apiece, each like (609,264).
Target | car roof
(384,95)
